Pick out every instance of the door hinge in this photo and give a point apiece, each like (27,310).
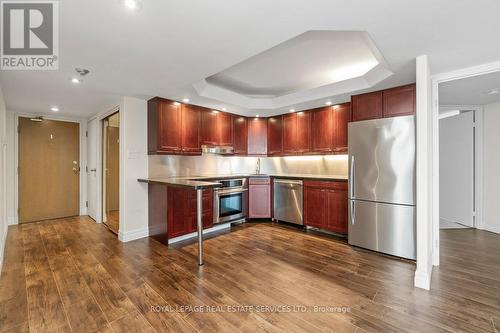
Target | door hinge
(87,204)
(86,168)
(86,134)
(18,130)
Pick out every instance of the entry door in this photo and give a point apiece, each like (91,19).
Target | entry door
(92,157)
(49,169)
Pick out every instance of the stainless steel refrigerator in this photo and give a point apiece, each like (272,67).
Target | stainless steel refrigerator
(382,185)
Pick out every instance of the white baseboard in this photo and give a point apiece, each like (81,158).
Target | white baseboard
(491,228)
(2,248)
(215,228)
(11,220)
(423,280)
(133,234)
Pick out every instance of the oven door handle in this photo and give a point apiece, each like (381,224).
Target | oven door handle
(222,192)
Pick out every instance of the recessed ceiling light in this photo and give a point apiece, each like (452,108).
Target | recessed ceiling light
(257,116)
(292,110)
(493,92)
(328,103)
(132,4)
(75,80)
(185,100)
(54,108)
(224,109)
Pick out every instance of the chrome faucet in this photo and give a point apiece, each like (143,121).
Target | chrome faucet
(257,168)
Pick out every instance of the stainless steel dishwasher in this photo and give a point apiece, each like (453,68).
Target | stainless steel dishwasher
(288,200)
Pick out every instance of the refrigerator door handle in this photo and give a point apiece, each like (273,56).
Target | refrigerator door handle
(351,178)
(353,211)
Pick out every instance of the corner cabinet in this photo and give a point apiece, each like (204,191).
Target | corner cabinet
(326,205)
(257,137)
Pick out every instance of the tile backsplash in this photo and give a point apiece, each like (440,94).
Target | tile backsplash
(207,164)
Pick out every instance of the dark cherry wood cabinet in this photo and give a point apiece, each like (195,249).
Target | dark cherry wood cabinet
(367,106)
(164,127)
(257,137)
(322,130)
(297,133)
(181,211)
(341,117)
(225,128)
(209,127)
(275,136)
(326,205)
(303,132)
(240,135)
(190,129)
(314,206)
(289,133)
(259,198)
(399,101)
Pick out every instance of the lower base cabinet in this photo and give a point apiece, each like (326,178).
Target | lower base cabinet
(181,211)
(326,205)
(259,198)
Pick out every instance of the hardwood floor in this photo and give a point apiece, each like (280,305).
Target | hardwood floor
(113,221)
(73,275)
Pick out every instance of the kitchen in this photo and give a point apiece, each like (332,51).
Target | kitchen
(292,168)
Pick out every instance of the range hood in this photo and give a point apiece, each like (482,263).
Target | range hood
(218,150)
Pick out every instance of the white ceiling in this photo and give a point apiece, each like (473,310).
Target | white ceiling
(169,45)
(470,91)
(310,60)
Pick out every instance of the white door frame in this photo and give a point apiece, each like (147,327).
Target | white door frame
(436,80)
(83,159)
(99,197)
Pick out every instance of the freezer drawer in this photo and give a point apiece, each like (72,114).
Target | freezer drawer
(381,227)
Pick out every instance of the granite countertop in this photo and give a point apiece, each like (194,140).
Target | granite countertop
(179,182)
(203,182)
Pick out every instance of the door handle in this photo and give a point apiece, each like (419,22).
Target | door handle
(351,178)
(353,211)
(93,170)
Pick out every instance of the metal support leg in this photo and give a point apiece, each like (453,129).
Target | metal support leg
(199,223)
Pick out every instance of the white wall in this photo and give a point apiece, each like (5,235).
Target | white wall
(3,178)
(491,167)
(456,169)
(133,165)
(425,162)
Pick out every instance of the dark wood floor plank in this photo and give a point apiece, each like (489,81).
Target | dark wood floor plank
(74,275)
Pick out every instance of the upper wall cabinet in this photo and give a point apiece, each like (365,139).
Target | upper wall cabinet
(240,129)
(216,128)
(367,106)
(257,137)
(297,133)
(341,117)
(399,101)
(225,127)
(164,127)
(275,136)
(190,129)
(322,130)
